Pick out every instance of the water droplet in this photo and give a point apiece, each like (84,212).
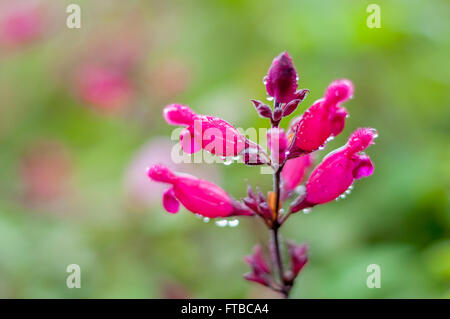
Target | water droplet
(307,210)
(222,222)
(236,158)
(264,80)
(330,138)
(348,191)
(206,220)
(375,132)
(343,196)
(269,98)
(198,216)
(227,162)
(350,187)
(233,223)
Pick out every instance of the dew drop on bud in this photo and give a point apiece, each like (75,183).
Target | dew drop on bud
(206,220)
(227,162)
(375,132)
(233,223)
(307,210)
(269,98)
(264,80)
(221,222)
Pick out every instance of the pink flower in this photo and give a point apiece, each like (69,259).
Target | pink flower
(324,119)
(293,172)
(197,195)
(210,133)
(281,79)
(338,170)
(103,87)
(20,23)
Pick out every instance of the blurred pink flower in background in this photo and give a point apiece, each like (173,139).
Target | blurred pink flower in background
(168,79)
(21,22)
(141,192)
(105,88)
(45,171)
(104,76)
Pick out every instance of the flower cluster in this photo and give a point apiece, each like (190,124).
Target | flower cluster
(290,155)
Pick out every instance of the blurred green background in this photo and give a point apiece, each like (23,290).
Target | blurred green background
(80,119)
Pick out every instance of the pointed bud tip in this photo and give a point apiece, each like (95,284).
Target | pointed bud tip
(281,80)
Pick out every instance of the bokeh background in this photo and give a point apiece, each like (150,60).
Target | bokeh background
(80,120)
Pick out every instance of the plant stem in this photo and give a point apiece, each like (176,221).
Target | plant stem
(275,235)
(278,262)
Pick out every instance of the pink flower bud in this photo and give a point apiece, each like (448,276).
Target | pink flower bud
(197,195)
(324,119)
(210,133)
(281,79)
(299,257)
(338,170)
(293,172)
(278,143)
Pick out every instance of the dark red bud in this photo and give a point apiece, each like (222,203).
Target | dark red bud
(262,109)
(289,108)
(299,257)
(301,94)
